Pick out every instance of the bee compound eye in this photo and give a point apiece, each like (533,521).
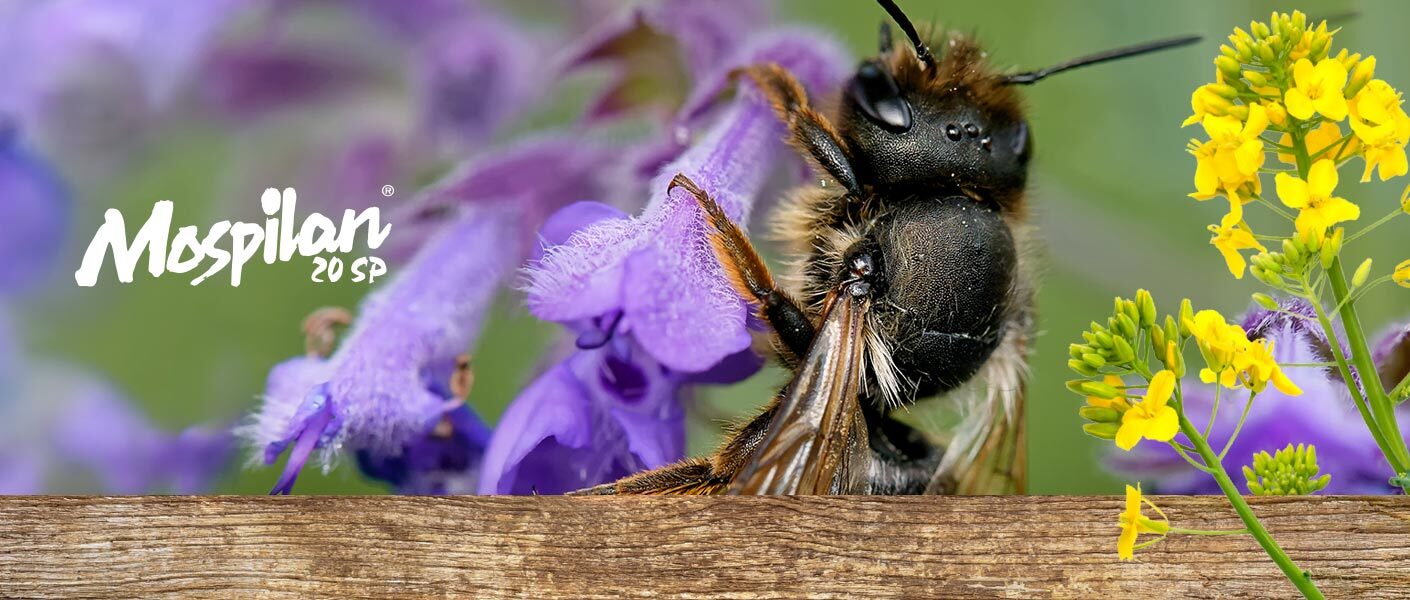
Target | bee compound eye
(876,93)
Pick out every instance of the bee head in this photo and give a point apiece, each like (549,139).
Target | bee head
(917,118)
(950,123)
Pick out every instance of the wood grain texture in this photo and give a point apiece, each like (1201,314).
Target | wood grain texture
(612,547)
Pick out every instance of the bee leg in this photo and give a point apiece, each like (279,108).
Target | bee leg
(903,461)
(809,130)
(696,476)
(750,276)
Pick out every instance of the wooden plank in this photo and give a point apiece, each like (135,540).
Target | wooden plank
(488,547)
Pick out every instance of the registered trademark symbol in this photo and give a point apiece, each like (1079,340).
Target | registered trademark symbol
(388,190)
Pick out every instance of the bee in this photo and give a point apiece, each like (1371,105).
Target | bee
(914,276)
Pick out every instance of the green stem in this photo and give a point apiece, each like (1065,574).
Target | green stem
(1381,406)
(1208,531)
(1356,397)
(1299,578)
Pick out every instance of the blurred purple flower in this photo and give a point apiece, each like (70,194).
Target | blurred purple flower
(535,177)
(388,382)
(65,430)
(475,75)
(34,203)
(657,270)
(638,45)
(257,77)
(85,72)
(1392,355)
(1322,416)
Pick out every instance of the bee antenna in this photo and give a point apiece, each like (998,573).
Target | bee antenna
(1101,57)
(922,52)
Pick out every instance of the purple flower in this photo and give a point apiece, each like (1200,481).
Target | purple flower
(65,430)
(388,383)
(35,205)
(657,270)
(1322,416)
(1392,355)
(602,414)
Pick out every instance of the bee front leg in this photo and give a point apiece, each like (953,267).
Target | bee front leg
(808,129)
(750,276)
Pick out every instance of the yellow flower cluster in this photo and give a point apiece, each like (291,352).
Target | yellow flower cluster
(1232,359)
(1280,78)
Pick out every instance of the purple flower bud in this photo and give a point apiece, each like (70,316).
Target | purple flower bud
(35,205)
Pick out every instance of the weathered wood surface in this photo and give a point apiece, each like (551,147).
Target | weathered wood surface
(485,547)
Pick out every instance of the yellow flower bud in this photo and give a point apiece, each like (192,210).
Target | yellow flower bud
(1081,368)
(1402,274)
(1187,316)
(1364,72)
(1265,301)
(1105,431)
(1358,279)
(1099,414)
(1405,200)
(1146,304)
(1099,389)
(1228,66)
(1332,247)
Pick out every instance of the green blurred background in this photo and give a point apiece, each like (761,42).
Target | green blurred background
(1108,185)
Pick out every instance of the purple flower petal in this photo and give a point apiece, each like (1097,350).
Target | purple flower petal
(673,293)
(35,205)
(595,417)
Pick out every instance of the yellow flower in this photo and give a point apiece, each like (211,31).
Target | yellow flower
(1318,209)
(1320,139)
(1231,236)
(1232,156)
(1317,89)
(1219,343)
(1152,418)
(1117,402)
(1256,361)
(1380,122)
(1133,523)
(1402,274)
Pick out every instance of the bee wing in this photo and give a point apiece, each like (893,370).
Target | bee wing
(817,440)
